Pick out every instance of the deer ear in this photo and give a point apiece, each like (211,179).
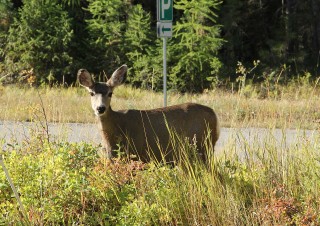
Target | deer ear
(85,79)
(118,77)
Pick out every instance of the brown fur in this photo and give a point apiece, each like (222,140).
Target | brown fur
(147,132)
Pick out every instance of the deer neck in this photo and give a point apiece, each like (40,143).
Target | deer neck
(108,122)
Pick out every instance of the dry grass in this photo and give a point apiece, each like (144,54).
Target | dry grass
(266,184)
(293,108)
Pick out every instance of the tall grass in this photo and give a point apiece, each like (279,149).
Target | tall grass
(292,106)
(263,183)
(63,183)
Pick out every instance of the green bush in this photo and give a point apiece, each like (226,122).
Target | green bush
(63,183)
(51,181)
(40,39)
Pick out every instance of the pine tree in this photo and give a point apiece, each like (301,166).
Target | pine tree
(107,27)
(39,39)
(6,16)
(140,48)
(195,45)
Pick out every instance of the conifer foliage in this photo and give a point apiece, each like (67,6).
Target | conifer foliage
(39,39)
(53,38)
(195,45)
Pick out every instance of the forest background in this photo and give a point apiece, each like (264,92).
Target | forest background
(47,41)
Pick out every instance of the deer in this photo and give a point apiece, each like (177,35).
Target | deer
(147,133)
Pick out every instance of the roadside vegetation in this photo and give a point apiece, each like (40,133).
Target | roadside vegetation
(242,104)
(68,183)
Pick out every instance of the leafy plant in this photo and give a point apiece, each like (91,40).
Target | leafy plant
(64,183)
(243,72)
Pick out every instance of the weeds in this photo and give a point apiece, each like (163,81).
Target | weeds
(265,184)
(65,183)
(271,105)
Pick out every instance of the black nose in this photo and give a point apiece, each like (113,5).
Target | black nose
(101,109)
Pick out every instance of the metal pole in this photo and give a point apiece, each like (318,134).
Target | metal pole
(12,186)
(165,72)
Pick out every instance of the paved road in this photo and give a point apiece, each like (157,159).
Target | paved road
(235,138)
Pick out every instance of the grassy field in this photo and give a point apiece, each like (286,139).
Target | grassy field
(295,106)
(69,184)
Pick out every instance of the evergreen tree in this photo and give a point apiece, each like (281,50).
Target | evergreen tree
(244,27)
(107,27)
(6,17)
(39,39)
(194,48)
(82,50)
(141,47)
(275,32)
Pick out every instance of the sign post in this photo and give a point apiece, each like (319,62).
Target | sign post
(165,72)
(164,31)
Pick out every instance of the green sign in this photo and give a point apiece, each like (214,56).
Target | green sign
(164,10)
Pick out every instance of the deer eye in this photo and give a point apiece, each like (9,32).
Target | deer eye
(92,94)
(109,94)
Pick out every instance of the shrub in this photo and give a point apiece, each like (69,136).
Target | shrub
(40,39)
(63,183)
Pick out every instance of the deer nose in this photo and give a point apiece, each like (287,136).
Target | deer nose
(101,109)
